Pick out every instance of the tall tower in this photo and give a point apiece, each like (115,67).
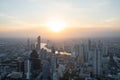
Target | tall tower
(38,45)
(28,44)
(97,62)
(89,44)
(53,59)
(53,63)
(81,53)
(85,52)
(28,73)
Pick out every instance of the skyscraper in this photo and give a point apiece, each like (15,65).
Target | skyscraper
(89,44)
(85,53)
(35,61)
(28,73)
(97,62)
(81,54)
(28,44)
(38,45)
(53,63)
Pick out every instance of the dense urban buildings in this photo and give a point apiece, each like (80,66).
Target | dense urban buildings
(87,59)
(59,39)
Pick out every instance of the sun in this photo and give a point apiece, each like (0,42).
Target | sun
(56,25)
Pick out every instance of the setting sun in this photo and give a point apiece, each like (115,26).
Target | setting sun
(56,25)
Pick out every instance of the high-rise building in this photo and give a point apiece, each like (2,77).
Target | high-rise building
(46,69)
(97,62)
(105,51)
(28,73)
(32,64)
(20,64)
(34,57)
(28,45)
(85,53)
(79,52)
(76,50)
(38,45)
(53,63)
(89,44)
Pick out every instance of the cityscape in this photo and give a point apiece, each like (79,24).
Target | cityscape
(59,40)
(86,59)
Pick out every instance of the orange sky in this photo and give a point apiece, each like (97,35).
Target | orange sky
(28,18)
(69,32)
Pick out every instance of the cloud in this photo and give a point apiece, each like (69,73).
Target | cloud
(7,16)
(109,20)
(15,21)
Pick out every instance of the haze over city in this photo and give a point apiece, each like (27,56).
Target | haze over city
(59,39)
(60,18)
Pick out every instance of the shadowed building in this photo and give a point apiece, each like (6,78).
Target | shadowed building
(34,57)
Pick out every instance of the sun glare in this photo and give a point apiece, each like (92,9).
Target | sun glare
(56,25)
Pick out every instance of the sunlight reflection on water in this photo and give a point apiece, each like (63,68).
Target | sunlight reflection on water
(43,45)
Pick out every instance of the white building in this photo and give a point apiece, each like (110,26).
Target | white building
(28,69)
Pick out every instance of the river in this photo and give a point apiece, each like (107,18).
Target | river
(43,45)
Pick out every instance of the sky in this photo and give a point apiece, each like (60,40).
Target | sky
(83,18)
